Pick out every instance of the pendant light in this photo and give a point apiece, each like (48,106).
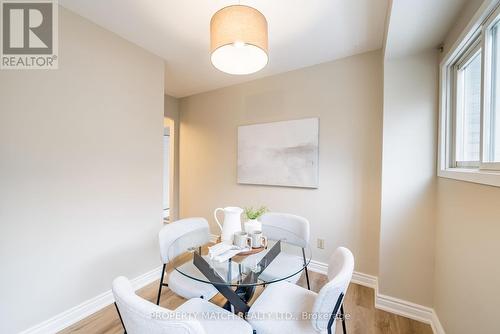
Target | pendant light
(238,40)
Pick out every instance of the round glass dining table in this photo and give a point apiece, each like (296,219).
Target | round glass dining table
(285,256)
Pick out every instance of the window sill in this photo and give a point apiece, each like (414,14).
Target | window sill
(474,175)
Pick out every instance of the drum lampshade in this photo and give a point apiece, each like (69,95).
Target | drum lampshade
(238,40)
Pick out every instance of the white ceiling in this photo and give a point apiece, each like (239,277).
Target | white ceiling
(418,25)
(301,33)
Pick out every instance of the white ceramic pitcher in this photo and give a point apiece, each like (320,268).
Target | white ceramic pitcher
(232,222)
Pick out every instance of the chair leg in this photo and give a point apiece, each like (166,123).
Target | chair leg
(307,279)
(161,284)
(343,318)
(305,269)
(334,314)
(120,316)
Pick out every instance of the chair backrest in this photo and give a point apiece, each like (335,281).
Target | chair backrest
(340,269)
(194,233)
(298,226)
(141,316)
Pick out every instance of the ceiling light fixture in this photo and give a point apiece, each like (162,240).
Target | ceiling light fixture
(238,40)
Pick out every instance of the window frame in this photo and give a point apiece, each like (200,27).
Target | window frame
(464,58)
(478,29)
(490,22)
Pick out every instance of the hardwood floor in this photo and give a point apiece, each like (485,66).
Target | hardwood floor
(364,318)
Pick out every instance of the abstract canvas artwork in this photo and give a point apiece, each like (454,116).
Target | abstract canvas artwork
(279,153)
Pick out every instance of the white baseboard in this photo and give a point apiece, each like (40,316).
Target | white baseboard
(79,312)
(365,280)
(410,310)
(387,303)
(404,308)
(357,277)
(437,328)
(318,267)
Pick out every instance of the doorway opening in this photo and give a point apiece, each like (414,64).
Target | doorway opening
(170,173)
(166,173)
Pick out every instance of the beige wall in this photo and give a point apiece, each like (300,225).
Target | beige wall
(469,9)
(80,169)
(467,293)
(408,177)
(347,97)
(172,114)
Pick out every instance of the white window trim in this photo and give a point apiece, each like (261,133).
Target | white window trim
(486,46)
(472,175)
(456,80)
(475,175)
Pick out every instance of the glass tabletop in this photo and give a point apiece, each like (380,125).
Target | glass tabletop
(285,255)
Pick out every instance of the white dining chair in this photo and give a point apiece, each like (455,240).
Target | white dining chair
(272,224)
(289,299)
(198,234)
(195,316)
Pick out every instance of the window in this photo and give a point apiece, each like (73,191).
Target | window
(470,109)
(491,148)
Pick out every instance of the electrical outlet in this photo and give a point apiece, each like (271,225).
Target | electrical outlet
(321,243)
